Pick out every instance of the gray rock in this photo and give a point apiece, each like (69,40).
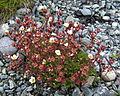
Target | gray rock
(103,3)
(17,77)
(102,91)
(4,70)
(118,71)
(89,81)
(116,87)
(1,83)
(5,86)
(23,11)
(39,24)
(24,93)
(86,12)
(12,22)
(86,41)
(69,18)
(95,6)
(117,32)
(57,94)
(1,64)
(106,18)
(18,89)
(21,82)
(104,37)
(12,74)
(108,84)
(23,87)
(117,81)
(119,19)
(102,13)
(45,93)
(29,88)
(9,91)
(1,89)
(55,1)
(3,29)
(87,91)
(6,46)
(76,92)
(3,76)
(7,64)
(114,24)
(83,1)
(11,84)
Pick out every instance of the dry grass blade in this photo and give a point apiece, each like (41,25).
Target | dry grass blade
(9,7)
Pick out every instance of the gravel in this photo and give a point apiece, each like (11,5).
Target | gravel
(103,15)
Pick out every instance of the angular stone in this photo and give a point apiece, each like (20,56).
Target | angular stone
(4,71)
(95,6)
(23,11)
(117,32)
(69,18)
(3,28)
(106,18)
(90,81)
(76,92)
(1,89)
(9,91)
(102,91)
(86,12)
(6,46)
(11,84)
(39,24)
(7,64)
(1,83)
(108,75)
(1,64)
(23,86)
(86,41)
(29,88)
(5,86)
(115,24)
(3,76)
(18,89)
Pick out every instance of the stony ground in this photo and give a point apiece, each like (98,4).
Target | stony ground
(103,14)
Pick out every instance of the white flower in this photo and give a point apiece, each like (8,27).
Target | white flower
(66,44)
(32,80)
(71,54)
(76,24)
(44,61)
(90,56)
(52,40)
(70,32)
(50,19)
(57,52)
(15,56)
(41,7)
(21,28)
(66,24)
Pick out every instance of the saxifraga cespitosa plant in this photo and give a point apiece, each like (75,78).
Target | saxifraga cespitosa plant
(52,55)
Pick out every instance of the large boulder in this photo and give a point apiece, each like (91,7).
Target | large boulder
(6,46)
